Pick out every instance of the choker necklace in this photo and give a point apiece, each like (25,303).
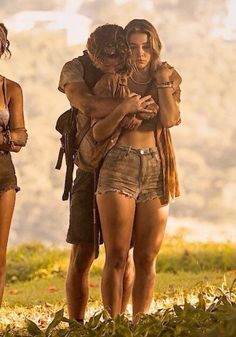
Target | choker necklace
(142,83)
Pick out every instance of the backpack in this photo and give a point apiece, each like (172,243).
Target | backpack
(78,147)
(90,153)
(66,125)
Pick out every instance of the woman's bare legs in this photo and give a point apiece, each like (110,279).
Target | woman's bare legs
(128,281)
(149,229)
(117,217)
(7,203)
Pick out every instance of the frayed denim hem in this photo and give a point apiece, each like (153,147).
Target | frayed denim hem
(126,194)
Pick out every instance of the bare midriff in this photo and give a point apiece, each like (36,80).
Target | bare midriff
(143,137)
(137,139)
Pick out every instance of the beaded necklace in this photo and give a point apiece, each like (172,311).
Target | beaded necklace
(142,83)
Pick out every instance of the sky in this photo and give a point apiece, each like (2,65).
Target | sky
(77,26)
(229,28)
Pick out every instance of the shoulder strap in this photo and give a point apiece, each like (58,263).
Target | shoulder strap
(69,161)
(91,73)
(4,88)
(83,132)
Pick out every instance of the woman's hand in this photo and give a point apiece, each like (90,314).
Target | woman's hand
(135,103)
(153,109)
(19,136)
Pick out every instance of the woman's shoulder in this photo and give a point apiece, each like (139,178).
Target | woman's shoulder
(13,88)
(175,76)
(176,79)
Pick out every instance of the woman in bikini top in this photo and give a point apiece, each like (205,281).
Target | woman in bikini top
(13,136)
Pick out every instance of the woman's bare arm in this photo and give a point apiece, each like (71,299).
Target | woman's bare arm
(105,127)
(169,111)
(17,125)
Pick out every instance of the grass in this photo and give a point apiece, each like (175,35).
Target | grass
(36,273)
(51,289)
(208,313)
(35,261)
(185,271)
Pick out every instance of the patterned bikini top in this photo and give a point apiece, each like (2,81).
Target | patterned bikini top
(4,112)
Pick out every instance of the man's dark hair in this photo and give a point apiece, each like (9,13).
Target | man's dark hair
(109,40)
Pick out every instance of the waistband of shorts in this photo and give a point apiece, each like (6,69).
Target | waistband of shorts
(139,151)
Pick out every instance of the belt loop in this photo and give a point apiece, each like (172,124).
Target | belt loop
(152,152)
(128,150)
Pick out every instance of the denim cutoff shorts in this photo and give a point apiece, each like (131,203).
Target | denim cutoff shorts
(136,173)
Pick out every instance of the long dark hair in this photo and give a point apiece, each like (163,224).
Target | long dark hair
(4,42)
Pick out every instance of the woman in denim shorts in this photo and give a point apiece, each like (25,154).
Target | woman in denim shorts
(13,136)
(138,176)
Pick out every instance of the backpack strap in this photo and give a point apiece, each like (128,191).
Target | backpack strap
(60,158)
(70,163)
(69,170)
(83,132)
(91,73)
(79,140)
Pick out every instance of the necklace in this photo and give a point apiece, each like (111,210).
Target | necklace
(142,83)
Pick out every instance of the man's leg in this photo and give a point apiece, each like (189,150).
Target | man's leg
(81,236)
(77,290)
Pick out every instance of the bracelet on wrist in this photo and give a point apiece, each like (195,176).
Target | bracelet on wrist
(7,139)
(163,85)
(11,143)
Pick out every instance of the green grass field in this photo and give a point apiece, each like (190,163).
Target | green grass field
(185,272)
(51,289)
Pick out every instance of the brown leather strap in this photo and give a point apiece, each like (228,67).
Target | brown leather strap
(70,166)
(60,158)
(69,162)
(83,133)
(68,182)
